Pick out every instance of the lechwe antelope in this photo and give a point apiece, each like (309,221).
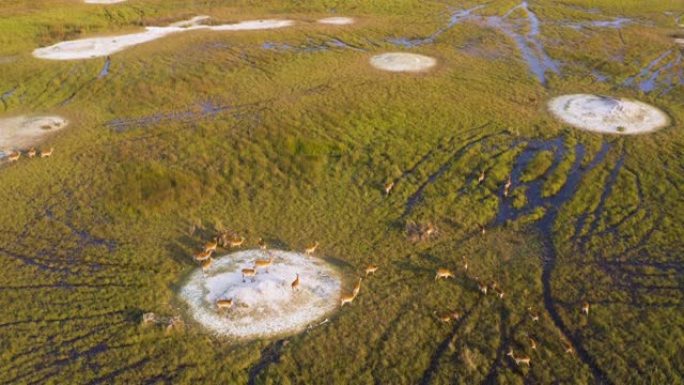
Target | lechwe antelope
(347,299)
(224,303)
(585,308)
(248,273)
(31,152)
(211,246)
(202,255)
(448,316)
(236,242)
(47,153)
(14,156)
(311,249)
(518,360)
(443,273)
(388,187)
(262,244)
(357,287)
(465,264)
(295,284)
(371,269)
(481,178)
(206,265)
(263,263)
(533,342)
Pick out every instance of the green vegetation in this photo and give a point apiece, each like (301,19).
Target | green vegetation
(202,131)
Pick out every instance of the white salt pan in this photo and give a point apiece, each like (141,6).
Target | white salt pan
(337,20)
(103,46)
(607,115)
(264,305)
(402,62)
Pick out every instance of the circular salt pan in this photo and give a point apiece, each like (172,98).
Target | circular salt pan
(402,62)
(337,20)
(264,305)
(24,131)
(607,115)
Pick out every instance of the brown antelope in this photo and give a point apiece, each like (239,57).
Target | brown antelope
(568,348)
(224,303)
(533,315)
(448,316)
(311,249)
(206,264)
(236,242)
(508,184)
(483,288)
(499,292)
(430,230)
(483,230)
(295,284)
(262,244)
(248,273)
(481,178)
(388,187)
(14,156)
(347,299)
(31,152)
(202,255)
(263,263)
(357,287)
(48,153)
(533,343)
(585,308)
(465,264)
(522,360)
(211,246)
(443,273)
(371,269)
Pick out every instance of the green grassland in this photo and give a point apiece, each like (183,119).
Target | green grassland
(207,130)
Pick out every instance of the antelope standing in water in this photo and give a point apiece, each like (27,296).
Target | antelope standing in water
(481,178)
(371,269)
(31,152)
(263,263)
(248,273)
(443,273)
(388,187)
(211,246)
(236,242)
(585,308)
(14,156)
(507,186)
(48,153)
(224,303)
(311,249)
(295,284)
(357,288)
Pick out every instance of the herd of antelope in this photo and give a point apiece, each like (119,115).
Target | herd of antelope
(14,156)
(493,287)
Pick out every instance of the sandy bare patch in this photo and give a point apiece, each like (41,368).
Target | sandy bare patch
(402,62)
(608,115)
(264,305)
(22,132)
(104,46)
(339,20)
